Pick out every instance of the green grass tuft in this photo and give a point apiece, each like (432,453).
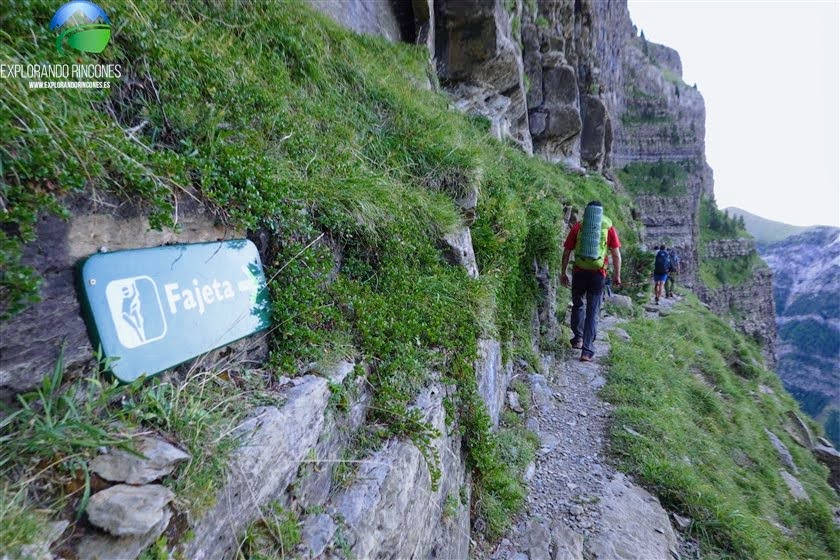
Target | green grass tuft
(275,534)
(701,445)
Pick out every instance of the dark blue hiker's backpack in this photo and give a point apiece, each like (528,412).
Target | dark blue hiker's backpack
(662,263)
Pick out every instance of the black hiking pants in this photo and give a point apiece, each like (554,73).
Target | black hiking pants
(587,284)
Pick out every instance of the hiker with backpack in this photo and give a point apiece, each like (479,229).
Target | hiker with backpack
(661,265)
(673,271)
(589,239)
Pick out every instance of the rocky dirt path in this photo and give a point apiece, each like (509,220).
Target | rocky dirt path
(578,505)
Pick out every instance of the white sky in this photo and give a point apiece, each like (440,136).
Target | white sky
(769,74)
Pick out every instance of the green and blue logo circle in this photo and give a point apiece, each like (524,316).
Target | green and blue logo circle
(82,25)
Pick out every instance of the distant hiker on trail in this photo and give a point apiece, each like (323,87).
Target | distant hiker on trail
(589,239)
(661,265)
(673,271)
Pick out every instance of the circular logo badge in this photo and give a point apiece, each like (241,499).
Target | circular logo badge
(82,25)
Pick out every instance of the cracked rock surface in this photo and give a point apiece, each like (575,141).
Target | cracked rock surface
(125,510)
(157,458)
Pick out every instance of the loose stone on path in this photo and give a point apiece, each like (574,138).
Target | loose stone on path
(574,495)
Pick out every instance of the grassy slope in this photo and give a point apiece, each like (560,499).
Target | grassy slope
(279,120)
(716,225)
(766,231)
(701,445)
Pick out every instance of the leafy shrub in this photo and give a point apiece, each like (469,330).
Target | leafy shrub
(663,178)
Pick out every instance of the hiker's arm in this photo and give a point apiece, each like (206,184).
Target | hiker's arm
(564,279)
(616,255)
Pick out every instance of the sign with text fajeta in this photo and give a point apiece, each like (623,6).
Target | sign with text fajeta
(152,309)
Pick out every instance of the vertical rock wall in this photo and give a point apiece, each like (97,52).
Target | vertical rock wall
(750,304)
(479,63)
(661,120)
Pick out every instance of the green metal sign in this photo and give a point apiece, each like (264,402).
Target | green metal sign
(152,309)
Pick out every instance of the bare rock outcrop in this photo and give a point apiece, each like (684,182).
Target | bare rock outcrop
(493,377)
(125,510)
(728,248)
(157,459)
(553,96)
(830,457)
(479,62)
(274,442)
(102,546)
(393,509)
(753,300)
(794,486)
(634,525)
(459,250)
(782,451)
(597,136)
(371,17)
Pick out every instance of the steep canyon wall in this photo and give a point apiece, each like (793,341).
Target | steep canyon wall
(575,83)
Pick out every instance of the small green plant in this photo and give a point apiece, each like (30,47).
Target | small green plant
(672,77)
(158,551)
(58,420)
(275,534)
(451,506)
(523,392)
(501,491)
(531,6)
(59,427)
(516,28)
(663,178)
(20,523)
(339,396)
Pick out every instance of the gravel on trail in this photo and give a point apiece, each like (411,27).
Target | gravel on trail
(572,480)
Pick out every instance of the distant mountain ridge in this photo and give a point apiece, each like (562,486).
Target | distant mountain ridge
(766,231)
(806,278)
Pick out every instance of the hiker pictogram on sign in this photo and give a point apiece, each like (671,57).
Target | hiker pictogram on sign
(136,310)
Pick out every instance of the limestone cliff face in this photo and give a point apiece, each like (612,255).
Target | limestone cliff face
(660,120)
(806,270)
(751,308)
(479,62)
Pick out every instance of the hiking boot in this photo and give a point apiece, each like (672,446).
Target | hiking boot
(576,344)
(657,301)
(585,358)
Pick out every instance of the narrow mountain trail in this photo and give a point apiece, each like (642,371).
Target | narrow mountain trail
(579,506)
